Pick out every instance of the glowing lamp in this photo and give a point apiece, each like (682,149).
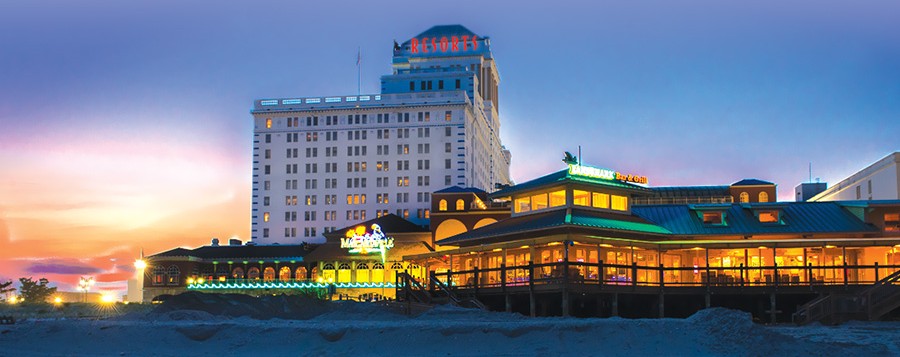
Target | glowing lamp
(140,264)
(107,298)
(57,300)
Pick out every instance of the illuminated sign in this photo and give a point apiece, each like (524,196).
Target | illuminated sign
(443,44)
(362,242)
(605,174)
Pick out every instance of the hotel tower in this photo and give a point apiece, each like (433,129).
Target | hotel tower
(321,163)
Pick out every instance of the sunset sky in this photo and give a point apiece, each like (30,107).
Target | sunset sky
(126,126)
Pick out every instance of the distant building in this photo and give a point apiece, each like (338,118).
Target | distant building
(743,191)
(878,181)
(325,162)
(807,190)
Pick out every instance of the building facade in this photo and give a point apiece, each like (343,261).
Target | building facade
(879,181)
(325,162)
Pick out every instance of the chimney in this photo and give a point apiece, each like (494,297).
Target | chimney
(215,242)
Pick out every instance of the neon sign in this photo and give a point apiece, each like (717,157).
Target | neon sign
(605,174)
(453,44)
(361,242)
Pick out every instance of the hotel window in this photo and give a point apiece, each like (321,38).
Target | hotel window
(745,197)
(268,138)
(159,275)
(460,205)
(457,84)
(858,193)
(763,197)
(448,115)
(266,217)
(522,204)
(268,123)
(600,200)
(442,205)
(558,198)
(768,217)
(714,218)
(619,203)
(892,222)
(539,201)
(581,198)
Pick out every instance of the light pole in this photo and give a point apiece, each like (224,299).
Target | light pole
(84,284)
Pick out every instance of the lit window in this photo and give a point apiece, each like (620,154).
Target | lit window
(460,205)
(442,205)
(539,201)
(268,123)
(745,197)
(619,203)
(713,218)
(581,198)
(763,197)
(892,222)
(266,217)
(523,204)
(600,200)
(768,217)
(558,198)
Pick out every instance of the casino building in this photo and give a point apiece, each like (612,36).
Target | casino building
(320,163)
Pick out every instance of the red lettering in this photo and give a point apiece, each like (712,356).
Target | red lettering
(433,47)
(424,44)
(444,44)
(465,41)
(454,43)
(474,43)
(414,45)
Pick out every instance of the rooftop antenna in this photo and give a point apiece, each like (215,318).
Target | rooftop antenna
(579,155)
(358,60)
(810,172)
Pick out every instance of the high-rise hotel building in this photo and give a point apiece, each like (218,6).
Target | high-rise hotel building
(321,163)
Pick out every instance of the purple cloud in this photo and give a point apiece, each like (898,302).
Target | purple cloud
(61,268)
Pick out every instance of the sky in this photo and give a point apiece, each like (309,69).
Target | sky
(125,126)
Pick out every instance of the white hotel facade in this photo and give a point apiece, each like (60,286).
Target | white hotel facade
(322,163)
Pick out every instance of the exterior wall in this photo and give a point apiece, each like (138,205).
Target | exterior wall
(753,192)
(452,221)
(883,177)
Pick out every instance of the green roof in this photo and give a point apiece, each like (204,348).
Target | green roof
(561,177)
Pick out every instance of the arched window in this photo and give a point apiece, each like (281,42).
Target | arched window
(745,197)
(344,266)
(328,266)
(269,274)
(763,197)
(173,274)
(253,273)
(442,205)
(460,205)
(237,273)
(159,275)
(361,266)
(378,266)
(397,266)
(284,273)
(300,273)
(314,273)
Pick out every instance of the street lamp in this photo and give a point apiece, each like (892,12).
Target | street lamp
(84,284)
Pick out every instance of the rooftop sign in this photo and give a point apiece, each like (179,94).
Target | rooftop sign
(361,242)
(604,174)
(443,44)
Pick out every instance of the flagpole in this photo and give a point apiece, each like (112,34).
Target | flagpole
(358,59)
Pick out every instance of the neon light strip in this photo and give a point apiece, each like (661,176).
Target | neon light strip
(277,285)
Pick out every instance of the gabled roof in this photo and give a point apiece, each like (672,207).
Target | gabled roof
(390,224)
(751,182)
(577,218)
(740,219)
(239,252)
(457,189)
(563,176)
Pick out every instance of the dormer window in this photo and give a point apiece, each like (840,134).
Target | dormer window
(892,222)
(716,218)
(768,217)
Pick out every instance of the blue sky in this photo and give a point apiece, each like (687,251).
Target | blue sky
(126,125)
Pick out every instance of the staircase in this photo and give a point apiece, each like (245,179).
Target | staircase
(870,303)
(409,289)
